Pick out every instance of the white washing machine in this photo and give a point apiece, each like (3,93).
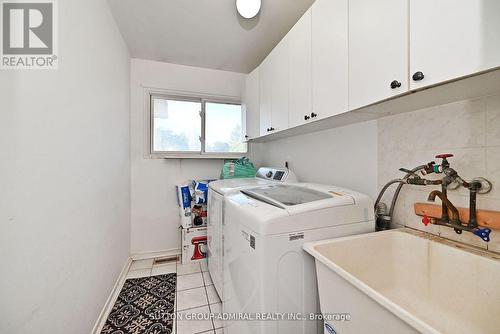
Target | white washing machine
(218,191)
(265,267)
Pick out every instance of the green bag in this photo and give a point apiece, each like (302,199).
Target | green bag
(237,169)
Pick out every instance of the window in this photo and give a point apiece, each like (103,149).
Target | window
(176,125)
(192,127)
(223,128)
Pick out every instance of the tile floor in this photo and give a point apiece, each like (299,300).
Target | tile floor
(195,293)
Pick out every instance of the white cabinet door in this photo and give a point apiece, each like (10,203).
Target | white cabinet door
(265,96)
(329,57)
(450,39)
(279,58)
(299,39)
(252,105)
(378,50)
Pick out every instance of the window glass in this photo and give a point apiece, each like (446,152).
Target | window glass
(176,125)
(224,128)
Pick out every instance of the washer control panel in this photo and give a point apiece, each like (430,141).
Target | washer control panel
(279,175)
(276,174)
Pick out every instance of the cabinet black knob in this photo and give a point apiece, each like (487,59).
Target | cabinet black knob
(306,117)
(395,84)
(272,129)
(418,76)
(314,115)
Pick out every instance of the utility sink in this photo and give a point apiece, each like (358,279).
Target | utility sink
(401,281)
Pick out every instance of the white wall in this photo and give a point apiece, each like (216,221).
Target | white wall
(64,178)
(470,130)
(344,156)
(154,213)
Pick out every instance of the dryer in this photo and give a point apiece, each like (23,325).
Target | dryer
(218,191)
(265,267)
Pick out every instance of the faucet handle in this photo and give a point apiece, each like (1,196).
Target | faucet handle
(409,172)
(426,220)
(483,233)
(444,155)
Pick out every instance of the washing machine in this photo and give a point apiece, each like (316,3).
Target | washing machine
(266,271)
(218,191)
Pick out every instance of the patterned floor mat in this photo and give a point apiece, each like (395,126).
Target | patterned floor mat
(145,306)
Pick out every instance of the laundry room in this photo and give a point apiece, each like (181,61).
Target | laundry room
(250,166)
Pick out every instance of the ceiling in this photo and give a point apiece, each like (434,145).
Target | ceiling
(204,33)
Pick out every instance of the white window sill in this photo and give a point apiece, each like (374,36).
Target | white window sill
(196,155)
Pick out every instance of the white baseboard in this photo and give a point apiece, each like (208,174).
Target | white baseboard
(113,296)
(162,253)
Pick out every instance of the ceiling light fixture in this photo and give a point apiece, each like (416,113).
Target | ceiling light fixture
(248,8)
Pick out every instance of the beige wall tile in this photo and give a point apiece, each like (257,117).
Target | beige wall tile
(460,124)
(468,129)
(493,171)
(493,121)
(488,203)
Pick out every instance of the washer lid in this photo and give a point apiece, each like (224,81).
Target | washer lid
(292,197)
(224,187)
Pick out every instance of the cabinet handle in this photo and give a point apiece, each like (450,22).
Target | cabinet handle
(395,84)
(313,115)
(306,117)
(418,76)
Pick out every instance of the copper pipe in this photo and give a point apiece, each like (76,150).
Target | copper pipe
(454,211)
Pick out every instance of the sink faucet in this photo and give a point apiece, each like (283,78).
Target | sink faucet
(445,220)
(454,222)
(447,205)
(478,185)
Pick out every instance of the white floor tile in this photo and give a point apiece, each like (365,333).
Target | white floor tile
(142,264)
(219,331)
(165,269)
(185,269)
(216,309)
(213,296)
(194,326)
(190,281)
(207,278)
(139,273)
(191,298)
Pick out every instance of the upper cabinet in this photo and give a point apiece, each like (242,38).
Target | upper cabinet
(329,57)
(299,40)
(450,39)
(265,96)
(251,104)
(378,50)
(344,55)
(274,83)
(280,83)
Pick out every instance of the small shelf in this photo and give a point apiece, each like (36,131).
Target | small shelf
(469,87)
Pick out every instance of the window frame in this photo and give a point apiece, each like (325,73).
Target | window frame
(202,99)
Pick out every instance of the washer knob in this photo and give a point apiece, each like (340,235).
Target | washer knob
(269,174)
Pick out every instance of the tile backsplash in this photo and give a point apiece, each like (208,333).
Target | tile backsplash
(468,129)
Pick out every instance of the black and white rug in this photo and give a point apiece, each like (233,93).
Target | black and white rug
(145,306)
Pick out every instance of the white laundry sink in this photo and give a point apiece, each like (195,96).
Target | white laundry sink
(403,282)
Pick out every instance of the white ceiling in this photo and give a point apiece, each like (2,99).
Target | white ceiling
(204,33)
